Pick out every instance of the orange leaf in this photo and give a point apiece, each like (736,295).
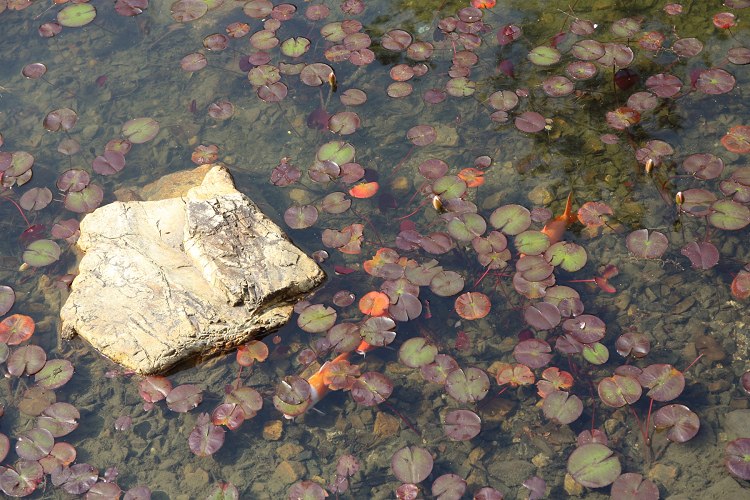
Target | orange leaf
(472,177)
(364,190)
(383,256)
(374,304)
(483,4)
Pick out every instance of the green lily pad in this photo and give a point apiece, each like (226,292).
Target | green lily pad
(295,47)
(595,353)
(561,407)
(532,242)
(544,56)
(84,200)
(569,256)
(511,219)
(592,465)
(728,214)
(41,253)
(416,352)
(339,152)
(76,15)
(140,130)
(317,318)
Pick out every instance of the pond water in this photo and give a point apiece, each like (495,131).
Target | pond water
(536,101)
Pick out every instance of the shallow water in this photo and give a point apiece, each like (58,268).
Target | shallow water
(663,298)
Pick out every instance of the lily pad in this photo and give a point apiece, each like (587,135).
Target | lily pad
(16,329)
(592,465)
(317,318)
(56,373)
(35,444)
(412,465)
(76,15)
(466,386)
(41,253)
(462,425)
(140,130)
(562,408)
(649,247)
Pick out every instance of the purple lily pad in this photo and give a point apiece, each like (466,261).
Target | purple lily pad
(372,388)
(462,425)
(184,398)
(205,438)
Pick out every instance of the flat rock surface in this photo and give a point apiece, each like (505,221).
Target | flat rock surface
(174,281)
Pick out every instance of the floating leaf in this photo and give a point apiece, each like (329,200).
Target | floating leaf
(533,353)
(416,352)
(76,15)
(682,423)
(16,328)
(317,318)
(472,305)
(737,460)
(702,254)
(184,398)
(412,465)
(297,217)
(466,386)
(56,373)
(618,390)
(372,388)
(27,359)
(649,247)
(632,486)
(593,466)
(154,388)
(60,419)
(41,253)
(665,382)
(205,438)
(140,130)
(562,408)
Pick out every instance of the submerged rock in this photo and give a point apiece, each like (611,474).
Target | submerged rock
(176,281)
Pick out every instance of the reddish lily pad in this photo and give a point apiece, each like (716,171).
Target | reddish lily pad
(154,388)
(472,305)
(702,254)
(738,139)
(372,388)
(184,398)
(737,460)
(205,438)
(665,382)
(59,419)
(16,328)
(618,390)
(715,81)
(298,217)
(682,424)
(27,359)
(534,353)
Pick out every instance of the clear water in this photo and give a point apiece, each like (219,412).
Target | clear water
(140,58)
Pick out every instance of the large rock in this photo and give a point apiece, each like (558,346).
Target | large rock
(174,281)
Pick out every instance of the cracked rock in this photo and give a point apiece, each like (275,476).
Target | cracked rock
(166,284)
